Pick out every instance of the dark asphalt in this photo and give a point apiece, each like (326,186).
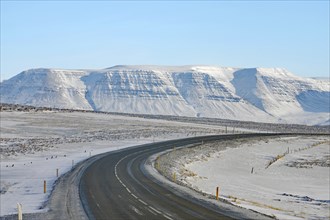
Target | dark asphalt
(115,187)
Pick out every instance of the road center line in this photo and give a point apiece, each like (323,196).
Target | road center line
(137,198)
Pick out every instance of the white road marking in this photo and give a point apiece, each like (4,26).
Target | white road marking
(142,202)
(155,210)
(152,212)
(150,208)
(136,210)
(168,217)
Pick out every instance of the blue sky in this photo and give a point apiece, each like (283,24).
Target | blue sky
(100,34)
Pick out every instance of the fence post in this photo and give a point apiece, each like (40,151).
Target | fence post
(217,193)
(45,187)
(19,212)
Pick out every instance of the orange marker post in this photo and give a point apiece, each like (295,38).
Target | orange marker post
(217,193)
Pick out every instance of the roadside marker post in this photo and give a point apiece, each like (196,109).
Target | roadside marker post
(174,177)
(19,211)
(45,187)
(57,172)
(217,193)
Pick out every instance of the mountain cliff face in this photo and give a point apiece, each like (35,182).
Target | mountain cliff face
(283,95)
(257,94)
(45,87)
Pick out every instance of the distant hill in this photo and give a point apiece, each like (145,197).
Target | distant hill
(253,94)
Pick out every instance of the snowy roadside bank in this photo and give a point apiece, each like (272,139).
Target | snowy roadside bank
(152,169)
(285,177)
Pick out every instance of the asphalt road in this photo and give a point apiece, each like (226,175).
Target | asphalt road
(116,187)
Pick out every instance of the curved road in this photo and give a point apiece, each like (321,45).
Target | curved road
(116,187)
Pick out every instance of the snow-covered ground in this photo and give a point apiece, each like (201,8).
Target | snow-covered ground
(35,144)
(287,177)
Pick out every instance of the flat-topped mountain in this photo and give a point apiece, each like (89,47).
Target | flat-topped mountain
(253,94)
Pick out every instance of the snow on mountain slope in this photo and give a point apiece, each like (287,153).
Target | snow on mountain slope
(283,95)
(211,98)
(134,91)
(46,87)
(256,94)
(314,101)
(326,123)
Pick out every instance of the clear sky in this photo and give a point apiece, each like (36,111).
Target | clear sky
(99,34)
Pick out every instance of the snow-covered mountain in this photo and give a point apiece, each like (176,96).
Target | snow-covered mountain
(255,94)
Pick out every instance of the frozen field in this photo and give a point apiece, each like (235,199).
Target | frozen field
(285,177)
(35,144)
